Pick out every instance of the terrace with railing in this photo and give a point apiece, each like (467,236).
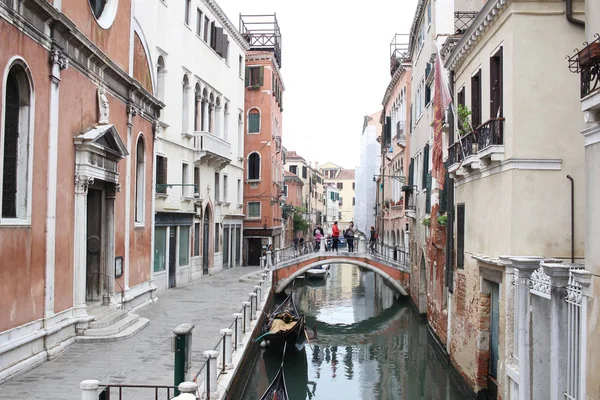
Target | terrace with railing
(463,19)
(478,148)
(586,63)
(211,149)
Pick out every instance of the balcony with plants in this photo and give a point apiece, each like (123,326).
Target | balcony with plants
(586,63)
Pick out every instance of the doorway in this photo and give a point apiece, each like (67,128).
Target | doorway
(254,251)
(172,255)
(494,339)
(94,245)
(205,242)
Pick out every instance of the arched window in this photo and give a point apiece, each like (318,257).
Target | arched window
(211,113)
(140,177)
(16,144)
(254,121)
(226,121)
(185,105)
(218,117)
(197,108)
(160,73)
(254,166)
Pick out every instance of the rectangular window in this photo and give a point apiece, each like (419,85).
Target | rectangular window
(254,209)
(239,191)
(285,191)
(340,201)
(217,236)
(461,96)
(185,192)
(294,169)
(225,188)
(427,95)
(240,65)
(340,185)
(187,11)
(476,100)
(161,174)
(160,248)
(213,35)
(304,172)
(184,245)
(198,22)
(256,76)
(353,201)
(217,187)
(197,180)
(496,85)
(196,239)
(353,185)
(460,236)
(206,27)
(425,165)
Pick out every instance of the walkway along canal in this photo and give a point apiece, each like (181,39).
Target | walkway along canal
(371,345)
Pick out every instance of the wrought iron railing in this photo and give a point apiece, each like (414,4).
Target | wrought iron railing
(490,133)
(454,153)
(120,392)
(469,142)
(586,62)
(463,19)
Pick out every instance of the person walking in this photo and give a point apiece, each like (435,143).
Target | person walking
(318,232)
(349,235)
(372,239)
(335,236)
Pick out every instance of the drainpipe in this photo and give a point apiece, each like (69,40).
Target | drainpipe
(450,203)
(572,218)
(570,17)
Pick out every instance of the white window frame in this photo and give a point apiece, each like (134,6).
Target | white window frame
(259,121)
(141,221)
(259,167)
(31,128)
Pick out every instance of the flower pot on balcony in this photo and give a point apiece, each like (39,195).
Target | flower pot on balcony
(589,55)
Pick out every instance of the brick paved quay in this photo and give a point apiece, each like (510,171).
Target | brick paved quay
(145,358)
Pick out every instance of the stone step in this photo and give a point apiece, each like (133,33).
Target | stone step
(108,319)
(99,311)
(124,334)
(115,328)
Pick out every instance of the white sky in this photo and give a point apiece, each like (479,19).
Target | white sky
(335,66)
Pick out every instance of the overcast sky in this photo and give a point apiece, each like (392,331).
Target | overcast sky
(335,66)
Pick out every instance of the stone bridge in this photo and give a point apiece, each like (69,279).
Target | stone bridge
(285,269)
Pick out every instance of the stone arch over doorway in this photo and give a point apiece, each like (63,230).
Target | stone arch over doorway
(207,223)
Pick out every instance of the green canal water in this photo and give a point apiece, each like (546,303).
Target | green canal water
(371,345)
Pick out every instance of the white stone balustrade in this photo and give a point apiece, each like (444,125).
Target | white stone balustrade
(207,143)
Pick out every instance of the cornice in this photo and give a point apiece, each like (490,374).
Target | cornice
(217,11)
(415,24)
(486,17)
(390,88)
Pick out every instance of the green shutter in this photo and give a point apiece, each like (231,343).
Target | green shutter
(411,170)
(428,198)
(247,80)
(444,193)
(261,76)
(425,164)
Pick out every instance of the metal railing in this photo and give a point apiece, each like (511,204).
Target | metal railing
(106,391)
(490,133)
(586,62)
(463,19)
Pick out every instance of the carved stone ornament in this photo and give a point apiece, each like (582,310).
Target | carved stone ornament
(57,57)
(574,295)
(112,190)
(82,184)
(103,108)
(540,283)
(515,280)
(131,110)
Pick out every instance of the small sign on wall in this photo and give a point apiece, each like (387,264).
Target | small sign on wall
(118,267)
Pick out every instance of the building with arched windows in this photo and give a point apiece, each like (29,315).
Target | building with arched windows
(263,152)
(78,112)
(199,57)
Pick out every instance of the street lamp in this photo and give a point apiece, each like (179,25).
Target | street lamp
(400,178)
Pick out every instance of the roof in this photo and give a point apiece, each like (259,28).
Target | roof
(292,155)
(329,165)
(288,176)
(346,174)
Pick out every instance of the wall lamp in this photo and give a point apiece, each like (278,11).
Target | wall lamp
(401,179)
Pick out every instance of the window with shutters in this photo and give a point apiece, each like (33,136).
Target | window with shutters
(354,201)
(196,239)
(199,16)
(196,180)
(213,35)
(425,165)
(185,189)
(444,192)
(240,65)
(217,237)
(206,28)
(294,169)
(427,95)
(225,188)
(161,174)
(255,76)
(217,187)
(460,236)
(304,172)
(340,185)
(254,121)
(428,196)
(496,85)
(460,97)
(254,166)
(411,171)
(476,100)
(254,209)
(16,137)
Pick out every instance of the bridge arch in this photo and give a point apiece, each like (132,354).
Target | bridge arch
(284,282)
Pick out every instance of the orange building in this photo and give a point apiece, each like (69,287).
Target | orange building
(76,169)
(263,184)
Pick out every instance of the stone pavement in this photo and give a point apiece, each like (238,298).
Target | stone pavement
(145,358)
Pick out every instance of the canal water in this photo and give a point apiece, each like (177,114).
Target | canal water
(371,345)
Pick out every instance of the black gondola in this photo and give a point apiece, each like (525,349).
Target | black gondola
(277,389)
(285,325)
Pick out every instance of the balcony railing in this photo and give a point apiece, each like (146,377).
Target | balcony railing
(490,134)
(400,137)
(462,20)
(212,147)
(486,141)
(586,62)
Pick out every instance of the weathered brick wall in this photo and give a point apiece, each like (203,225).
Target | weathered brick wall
(437,313)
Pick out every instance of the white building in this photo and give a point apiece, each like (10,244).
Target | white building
(332,207)
(370,161)
(198,58)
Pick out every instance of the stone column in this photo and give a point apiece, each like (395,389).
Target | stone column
(131,113)
(226,348)
(89,389)
(237,338)
(205,115)
(58,62)
(210,383)
(524,267)
(197,112)
(82,183)
(246,318)
(109,250)
(211,118)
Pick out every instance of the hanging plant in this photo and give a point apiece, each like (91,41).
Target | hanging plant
(464,118)
(254,87)
(426,221)
(442,220)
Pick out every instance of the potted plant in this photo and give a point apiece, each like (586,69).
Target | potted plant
(254,87)
(442,220)
(464,117)
(386,204)
(426,221)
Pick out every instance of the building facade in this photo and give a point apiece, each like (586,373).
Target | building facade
(293,199)
(77,113)
(513,159)
(370,160)
(199,148)
(263,184)
(332,207)
(344,181)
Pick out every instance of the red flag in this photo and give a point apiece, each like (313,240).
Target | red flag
(441,101)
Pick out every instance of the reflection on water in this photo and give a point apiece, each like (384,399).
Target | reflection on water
(371,345)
